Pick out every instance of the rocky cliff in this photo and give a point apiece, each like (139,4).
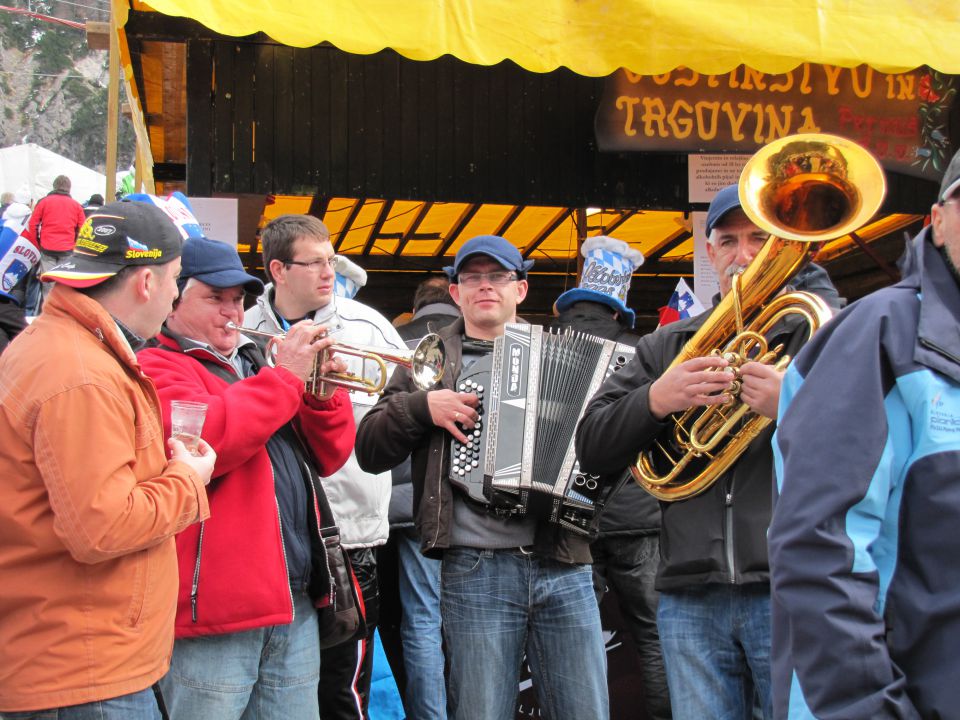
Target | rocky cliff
(53,87)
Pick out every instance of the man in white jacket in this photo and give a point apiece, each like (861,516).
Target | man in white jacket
(300,263)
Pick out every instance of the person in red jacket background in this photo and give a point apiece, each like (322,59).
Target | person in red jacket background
(247,639)
(54,225)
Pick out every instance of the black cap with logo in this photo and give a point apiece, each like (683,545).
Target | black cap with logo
(117,235)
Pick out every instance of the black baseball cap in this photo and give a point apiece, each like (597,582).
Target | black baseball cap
(118,235)
(951,178)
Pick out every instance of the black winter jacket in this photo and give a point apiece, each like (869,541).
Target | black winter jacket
(399,425)
(630,510)
(718,536)
(428,319)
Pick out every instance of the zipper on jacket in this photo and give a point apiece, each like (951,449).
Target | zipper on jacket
(443,447)
(283,548)
(195,585)
(728,522)
(936,348)
(332,590)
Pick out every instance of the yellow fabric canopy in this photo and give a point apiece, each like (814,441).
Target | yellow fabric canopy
(595,37)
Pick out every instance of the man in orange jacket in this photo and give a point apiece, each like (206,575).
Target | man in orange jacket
(89,501)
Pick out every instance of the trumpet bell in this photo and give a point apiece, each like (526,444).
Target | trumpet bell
(426,363)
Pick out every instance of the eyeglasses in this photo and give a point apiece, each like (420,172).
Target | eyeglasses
(315,265)
(473,279)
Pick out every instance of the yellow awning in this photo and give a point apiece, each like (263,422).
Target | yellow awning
(595,37)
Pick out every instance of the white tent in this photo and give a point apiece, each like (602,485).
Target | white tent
(32,168)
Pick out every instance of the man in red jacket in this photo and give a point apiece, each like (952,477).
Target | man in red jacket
(247,640)
(54,225)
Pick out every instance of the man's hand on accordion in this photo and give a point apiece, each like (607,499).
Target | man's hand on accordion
(453,411)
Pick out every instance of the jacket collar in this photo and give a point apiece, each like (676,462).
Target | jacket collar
(64,301)
(453,347)
(172,341)
(938,330)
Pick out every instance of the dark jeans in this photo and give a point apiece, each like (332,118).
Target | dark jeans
(12,321)
(628,564)
(346,669)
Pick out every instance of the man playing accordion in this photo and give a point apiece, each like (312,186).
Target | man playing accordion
(509,583)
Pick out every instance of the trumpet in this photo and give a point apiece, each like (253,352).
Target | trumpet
(425,362)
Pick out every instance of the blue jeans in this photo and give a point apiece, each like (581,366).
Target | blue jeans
(716,647)
(426,693)
(270,672)
(140,705)
(496,604)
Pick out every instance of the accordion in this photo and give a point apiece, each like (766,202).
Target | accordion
(520,457)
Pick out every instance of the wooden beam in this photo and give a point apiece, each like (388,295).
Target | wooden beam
(113,106)
(509,220)
(318,207)
(626,215)
(354,211)
(411,232)
(880,262)
(98,35)
(678,238)
(377,226)
(558,220)
(465,217)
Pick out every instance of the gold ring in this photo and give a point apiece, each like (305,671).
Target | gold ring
(456,417)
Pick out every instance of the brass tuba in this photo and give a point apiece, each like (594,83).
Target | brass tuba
(803,190)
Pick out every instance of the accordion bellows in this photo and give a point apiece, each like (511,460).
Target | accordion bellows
(534,388)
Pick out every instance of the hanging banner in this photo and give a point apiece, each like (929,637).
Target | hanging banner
(902,118)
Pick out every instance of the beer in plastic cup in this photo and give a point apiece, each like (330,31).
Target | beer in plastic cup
(186,422)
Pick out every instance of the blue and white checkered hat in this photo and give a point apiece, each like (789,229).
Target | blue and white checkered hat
(609,265)
(350,278)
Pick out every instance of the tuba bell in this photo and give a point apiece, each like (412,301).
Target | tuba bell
(803,190)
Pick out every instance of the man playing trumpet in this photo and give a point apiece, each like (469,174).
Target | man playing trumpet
(246,627)
(300,261)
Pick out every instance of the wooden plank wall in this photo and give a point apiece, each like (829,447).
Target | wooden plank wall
(275,119)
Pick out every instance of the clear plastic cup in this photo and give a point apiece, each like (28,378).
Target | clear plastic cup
(186,422)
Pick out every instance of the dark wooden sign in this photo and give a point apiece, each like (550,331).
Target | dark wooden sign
(901,118)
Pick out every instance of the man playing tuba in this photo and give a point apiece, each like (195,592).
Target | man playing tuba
(714,611)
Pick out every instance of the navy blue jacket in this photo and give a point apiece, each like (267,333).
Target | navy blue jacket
(865,537)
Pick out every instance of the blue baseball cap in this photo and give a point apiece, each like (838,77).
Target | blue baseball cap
(216,264)
(493,246)
(723,202)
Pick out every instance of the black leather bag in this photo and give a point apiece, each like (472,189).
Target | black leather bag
(342,618)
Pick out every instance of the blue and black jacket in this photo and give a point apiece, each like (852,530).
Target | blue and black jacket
(865,538)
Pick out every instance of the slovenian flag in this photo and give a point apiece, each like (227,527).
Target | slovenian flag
(682,304)
(17,256)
